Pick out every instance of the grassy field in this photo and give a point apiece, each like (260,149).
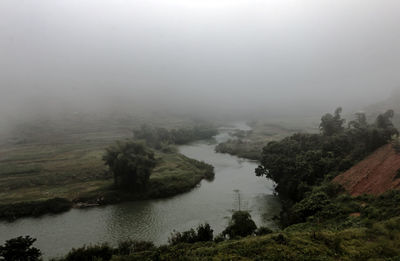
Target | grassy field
(40,172)
(43,171)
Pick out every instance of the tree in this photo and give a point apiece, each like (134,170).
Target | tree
(202,233)
(240,225)
(384,122)
(360,122)
(131,164)
(332,124)
(19,249)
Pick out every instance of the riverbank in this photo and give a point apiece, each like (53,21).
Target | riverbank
(174,174)
(379,242)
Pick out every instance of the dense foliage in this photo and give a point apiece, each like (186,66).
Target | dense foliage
(241,225)
(19,249)
(158,137)
(90,253)
(302,162)
(202,233)
(105,252)
(131,164)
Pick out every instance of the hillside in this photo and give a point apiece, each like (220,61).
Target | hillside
(375,174)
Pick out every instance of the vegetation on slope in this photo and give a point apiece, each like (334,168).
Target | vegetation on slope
(303,165)
(380,241)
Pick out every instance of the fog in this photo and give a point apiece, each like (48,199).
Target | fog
(197,56)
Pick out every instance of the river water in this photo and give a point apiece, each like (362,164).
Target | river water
(154,220)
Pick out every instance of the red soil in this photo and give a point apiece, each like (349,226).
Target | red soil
(375,174)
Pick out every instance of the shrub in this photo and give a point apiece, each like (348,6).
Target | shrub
(240,225)
(263,231)
(19,249)
(219,238)
(129,246)
(310,205)
(202,233)
(280,239)
(89,253)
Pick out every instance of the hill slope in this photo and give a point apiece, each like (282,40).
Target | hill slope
(375,174)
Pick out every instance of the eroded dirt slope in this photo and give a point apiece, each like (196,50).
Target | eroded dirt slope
(374,175)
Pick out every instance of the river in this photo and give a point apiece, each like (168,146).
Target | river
(154,220)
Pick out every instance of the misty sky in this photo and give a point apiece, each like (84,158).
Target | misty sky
(211,55)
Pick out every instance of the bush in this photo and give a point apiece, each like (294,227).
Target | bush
(219,238)
(310,205)
(201,234)
(240,225)
(280,239)
(19,249)
(263,231)
(128,247)
(89,253)
(204,233)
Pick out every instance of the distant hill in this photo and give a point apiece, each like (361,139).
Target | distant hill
(376,174)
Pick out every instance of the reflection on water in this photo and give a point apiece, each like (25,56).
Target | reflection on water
(154,220)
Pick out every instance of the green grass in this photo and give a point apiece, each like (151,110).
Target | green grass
(174,174)
(44,171)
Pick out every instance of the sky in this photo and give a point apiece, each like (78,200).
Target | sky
(211,56)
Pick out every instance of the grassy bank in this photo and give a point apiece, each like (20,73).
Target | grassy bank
(380,241)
